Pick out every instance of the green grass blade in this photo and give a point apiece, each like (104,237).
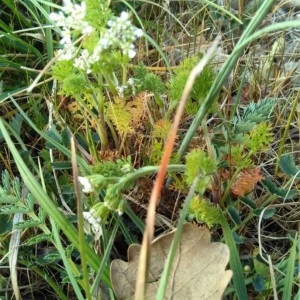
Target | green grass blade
(17,13)
(159,50)
(223,74)
(135,219)
(290,271)
(223,10)
(48,205)
(62,253)
(106,257)
(11,40)
(234,262)
(21,144)
(45,12)
(61,148)
(6,95)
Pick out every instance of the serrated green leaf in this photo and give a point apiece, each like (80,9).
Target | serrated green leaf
(9,209)
(288,166)
(16,184)
(244,126)
(53,257)
(4,198)
(275,190)
(16,123)
(54,135)
(29,200)
(5,180)
(69,250)
(38,239)
(27,224)
(43,261)
(42,215)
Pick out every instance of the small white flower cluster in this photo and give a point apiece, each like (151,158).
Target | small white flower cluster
(120,34)
(131,83)
(102,208)
(122,88)
(94,222)
(71,18)
(85,182)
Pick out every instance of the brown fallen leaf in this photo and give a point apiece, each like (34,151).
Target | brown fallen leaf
(198,271)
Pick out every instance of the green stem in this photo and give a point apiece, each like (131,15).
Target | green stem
(148,170)
(111,85)
(228,188)
(124,75)
(100,104)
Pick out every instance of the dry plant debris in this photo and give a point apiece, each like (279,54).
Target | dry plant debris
(198,271)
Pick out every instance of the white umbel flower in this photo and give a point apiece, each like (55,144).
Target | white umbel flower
(95,223)
(119,34)
(85,182)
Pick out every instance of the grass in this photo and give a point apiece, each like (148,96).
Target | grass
(121,140)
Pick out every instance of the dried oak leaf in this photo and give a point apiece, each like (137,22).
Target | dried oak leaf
(246,182)
(198,270)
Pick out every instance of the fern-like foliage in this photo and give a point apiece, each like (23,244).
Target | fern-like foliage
(204,212)
(251,134)
(201,86)
(159,136)
(199,163)
(260,138)
(239,158)
(120,116)
(161,129)
(126,116)
(12,202)
(136,107)
(62,70)
(156,151)
(149,81)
